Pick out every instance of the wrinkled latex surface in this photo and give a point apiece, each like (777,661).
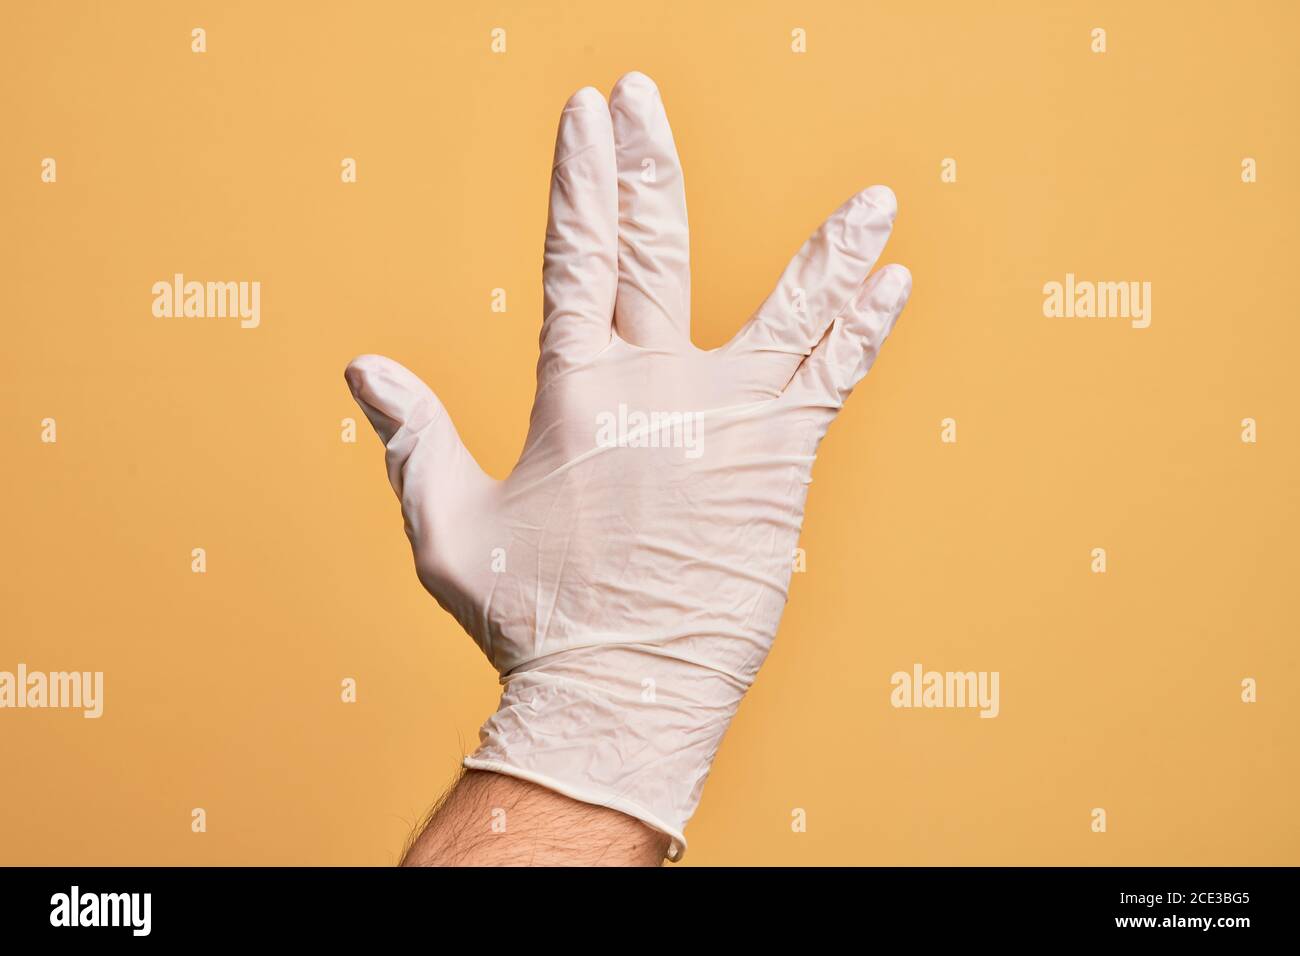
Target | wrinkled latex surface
(627,593)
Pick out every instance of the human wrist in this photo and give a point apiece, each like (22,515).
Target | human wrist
(622,726)
(489,819)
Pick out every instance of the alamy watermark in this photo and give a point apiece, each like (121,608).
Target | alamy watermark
(630,428)
(75,908)
(69,690)
(208,300)
(922,688)
(1083,299)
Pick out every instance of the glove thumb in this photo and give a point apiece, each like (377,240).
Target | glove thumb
(417,433)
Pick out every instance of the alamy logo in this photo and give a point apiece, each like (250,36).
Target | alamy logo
(922,688)
(1075,299)
(82,690)
(634,429)
(208,300)
(75,908)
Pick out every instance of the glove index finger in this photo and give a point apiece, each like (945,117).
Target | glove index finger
(580,267)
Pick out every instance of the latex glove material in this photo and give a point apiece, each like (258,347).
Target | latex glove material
(628,577)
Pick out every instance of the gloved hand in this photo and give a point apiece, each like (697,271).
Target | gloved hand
(627,578)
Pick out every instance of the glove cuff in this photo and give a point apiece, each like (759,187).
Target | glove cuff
(639,745)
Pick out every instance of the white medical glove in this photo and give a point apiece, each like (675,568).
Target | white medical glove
(628,577)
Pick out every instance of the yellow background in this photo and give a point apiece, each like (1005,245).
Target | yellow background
(1119,691)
